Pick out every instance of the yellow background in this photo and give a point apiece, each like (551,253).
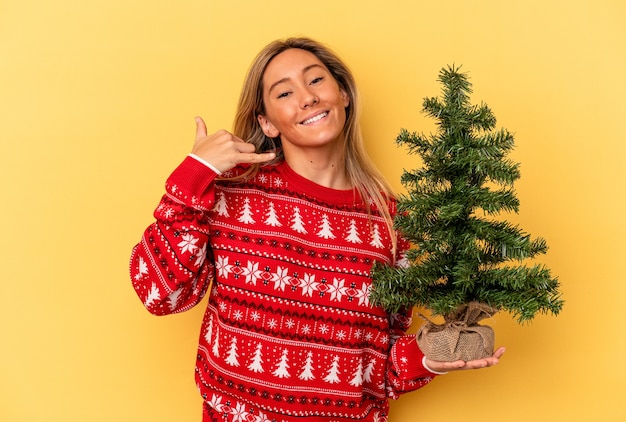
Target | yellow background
(97,100)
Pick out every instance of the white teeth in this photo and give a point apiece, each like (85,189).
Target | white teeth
(315,118)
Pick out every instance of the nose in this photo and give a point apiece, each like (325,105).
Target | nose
(309,99)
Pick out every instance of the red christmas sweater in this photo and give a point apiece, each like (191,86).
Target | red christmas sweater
(289,333)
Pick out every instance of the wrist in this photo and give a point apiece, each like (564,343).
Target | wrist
(206,163)
(431,370)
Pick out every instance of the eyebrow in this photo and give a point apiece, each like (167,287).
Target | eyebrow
(286,79)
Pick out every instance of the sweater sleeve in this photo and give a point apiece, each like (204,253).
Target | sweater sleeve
(172,266)
(405,368)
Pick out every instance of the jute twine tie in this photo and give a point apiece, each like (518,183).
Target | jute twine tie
(460,337)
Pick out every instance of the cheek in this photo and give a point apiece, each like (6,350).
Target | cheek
(279,111)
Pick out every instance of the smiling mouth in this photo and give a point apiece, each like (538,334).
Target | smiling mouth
(315,118)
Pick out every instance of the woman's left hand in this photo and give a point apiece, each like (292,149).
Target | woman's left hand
(462,365)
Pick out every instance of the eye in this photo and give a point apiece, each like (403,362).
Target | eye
(283,94)
(317,80)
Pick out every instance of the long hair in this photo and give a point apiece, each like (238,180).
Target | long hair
(360,171)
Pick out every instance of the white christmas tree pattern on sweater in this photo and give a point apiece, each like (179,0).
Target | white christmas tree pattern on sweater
(256,365)
(353,234)
(332,376)
(325,231)
(282,368)
(272,216)
(357,378)
(297,224)
(376,237)
(232,356)
(142,269)
(307,369)
(245,216)
(221,207)
(154,295)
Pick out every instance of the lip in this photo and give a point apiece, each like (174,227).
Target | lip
(316,117)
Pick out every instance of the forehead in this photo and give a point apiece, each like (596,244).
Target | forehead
(289,63)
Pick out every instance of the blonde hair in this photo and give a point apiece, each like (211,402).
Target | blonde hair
(360,171)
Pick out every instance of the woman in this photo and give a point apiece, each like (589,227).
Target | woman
(283,219)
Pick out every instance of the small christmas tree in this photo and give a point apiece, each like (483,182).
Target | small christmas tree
(461,252)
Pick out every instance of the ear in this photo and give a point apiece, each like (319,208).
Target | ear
(267,127)
(345,97)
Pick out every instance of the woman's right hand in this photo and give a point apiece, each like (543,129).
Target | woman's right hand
(223,150)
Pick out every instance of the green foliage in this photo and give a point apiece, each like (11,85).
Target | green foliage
(461,253)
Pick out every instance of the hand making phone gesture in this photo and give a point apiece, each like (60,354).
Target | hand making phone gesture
(223,150)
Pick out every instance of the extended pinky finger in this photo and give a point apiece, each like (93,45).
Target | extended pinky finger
(259,157)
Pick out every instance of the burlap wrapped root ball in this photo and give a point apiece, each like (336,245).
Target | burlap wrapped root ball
(460,337)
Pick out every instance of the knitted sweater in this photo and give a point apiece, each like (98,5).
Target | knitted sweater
(289,333)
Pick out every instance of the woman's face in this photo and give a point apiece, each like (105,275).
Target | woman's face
(304,104)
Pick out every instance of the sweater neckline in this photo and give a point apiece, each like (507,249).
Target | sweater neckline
(323,193)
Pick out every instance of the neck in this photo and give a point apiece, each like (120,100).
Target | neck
(324,167)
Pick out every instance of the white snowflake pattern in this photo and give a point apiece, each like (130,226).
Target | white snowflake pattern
(263,418)
(222,266)
(403,262)
(306,329)
(272,324)
(255,316)
(324,329)
(341,335)
(216,403)
(252,272)
(281,279)
(308,284)
(188,244)
(278,182)
(238,315)
(239,413)
(364,295)
(201,256)
(169,213)
(337,289)
(290,323)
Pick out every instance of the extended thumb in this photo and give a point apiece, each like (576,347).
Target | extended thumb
(200,128)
